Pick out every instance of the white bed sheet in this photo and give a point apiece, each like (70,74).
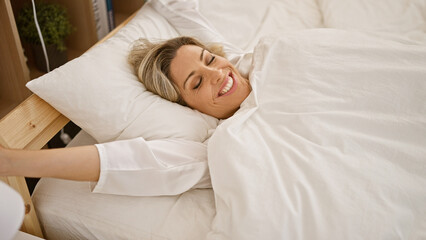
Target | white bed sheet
(249,20)
(402,17)
(336,130)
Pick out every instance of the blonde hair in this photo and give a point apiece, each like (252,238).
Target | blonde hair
(151,62)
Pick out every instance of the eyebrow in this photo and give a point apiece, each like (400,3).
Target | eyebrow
(192,73)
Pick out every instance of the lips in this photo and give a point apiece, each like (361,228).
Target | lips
(228,86)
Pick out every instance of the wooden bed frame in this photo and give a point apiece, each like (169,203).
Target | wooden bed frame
(30,126)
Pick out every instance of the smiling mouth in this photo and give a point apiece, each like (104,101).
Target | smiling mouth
(227,85)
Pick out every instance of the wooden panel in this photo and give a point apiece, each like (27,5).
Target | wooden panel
(82,18)
(6,106)
(127,6)
(33,120)
(14,73)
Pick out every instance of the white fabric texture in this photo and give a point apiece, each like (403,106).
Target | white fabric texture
(243,23)
(330,144)
(12,211)
(404,17)
(152,168)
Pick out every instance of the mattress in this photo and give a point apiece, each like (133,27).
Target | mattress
(68,209)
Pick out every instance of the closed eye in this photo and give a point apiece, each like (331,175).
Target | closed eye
(201,78)
(211,60)
(198,84)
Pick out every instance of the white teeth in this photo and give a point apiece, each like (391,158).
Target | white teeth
(228,86)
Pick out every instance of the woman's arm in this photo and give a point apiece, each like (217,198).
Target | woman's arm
(77,163)
(133,167)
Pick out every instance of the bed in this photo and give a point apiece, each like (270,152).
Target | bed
(69,210)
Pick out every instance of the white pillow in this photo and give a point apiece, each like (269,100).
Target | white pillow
(250,20)
(240,23)
(100,93)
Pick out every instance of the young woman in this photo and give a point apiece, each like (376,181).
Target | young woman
(185,71)
(181,70)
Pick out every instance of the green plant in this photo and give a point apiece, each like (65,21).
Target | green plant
(53,22)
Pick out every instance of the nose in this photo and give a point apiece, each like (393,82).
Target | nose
(214,74)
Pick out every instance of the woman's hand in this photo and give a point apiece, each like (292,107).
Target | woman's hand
(78,163)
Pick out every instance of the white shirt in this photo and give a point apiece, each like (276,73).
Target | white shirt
(152,168)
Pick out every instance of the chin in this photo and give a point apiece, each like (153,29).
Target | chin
(227,114)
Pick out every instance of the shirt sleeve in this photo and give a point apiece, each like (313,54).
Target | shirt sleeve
(151,168)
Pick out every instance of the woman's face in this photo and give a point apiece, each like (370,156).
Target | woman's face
(207,82)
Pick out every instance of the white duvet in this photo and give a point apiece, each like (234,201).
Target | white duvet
(331,143)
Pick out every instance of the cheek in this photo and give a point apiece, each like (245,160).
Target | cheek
(201,98)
